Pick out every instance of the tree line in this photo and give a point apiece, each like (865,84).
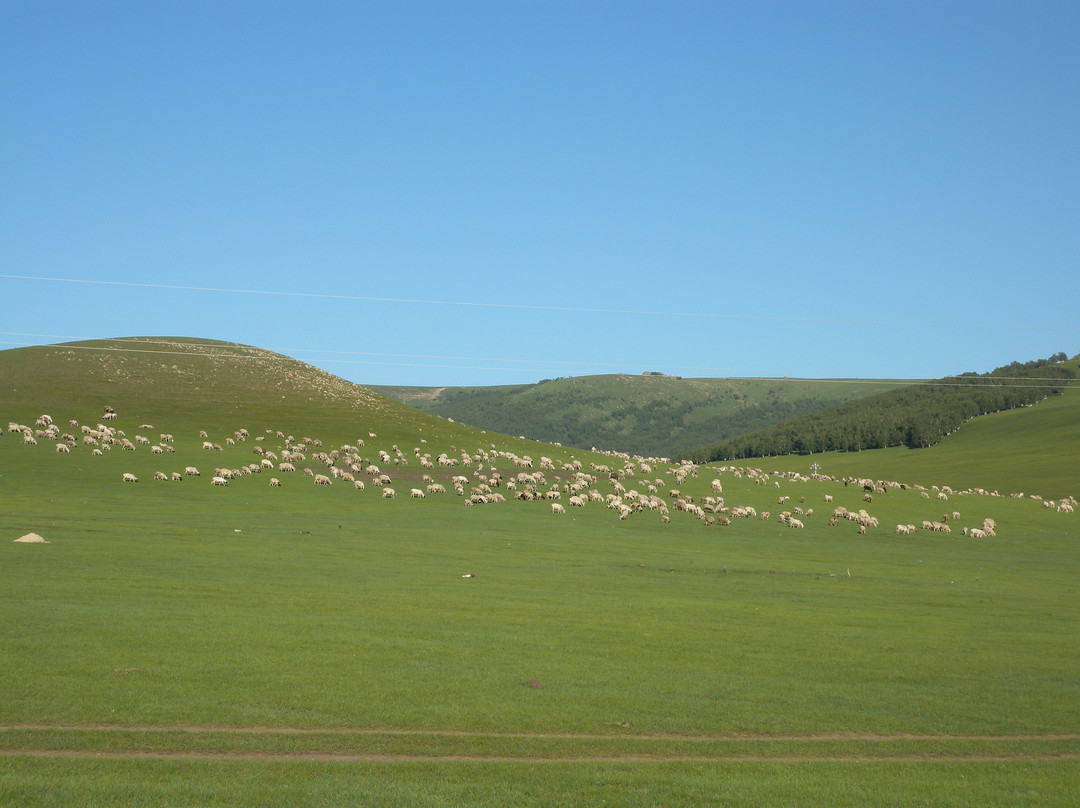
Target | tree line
(916,416)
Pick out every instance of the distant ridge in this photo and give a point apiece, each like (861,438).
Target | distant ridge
(653,414)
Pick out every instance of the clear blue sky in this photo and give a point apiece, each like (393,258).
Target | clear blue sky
(452,193)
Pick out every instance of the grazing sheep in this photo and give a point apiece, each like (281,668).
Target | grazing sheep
(130,478)
(219,481)
(161,475)
(63,448)
(176,477)
(275,482)
(557,508)
(322,479)
(389,493)
(416,493)
(358,485)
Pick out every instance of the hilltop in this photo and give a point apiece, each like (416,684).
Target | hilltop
(198,383)
(653,415)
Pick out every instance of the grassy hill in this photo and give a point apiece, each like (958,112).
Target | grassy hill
(1034,450)
(916,415)
(182,643)
(653,415)
(195,384)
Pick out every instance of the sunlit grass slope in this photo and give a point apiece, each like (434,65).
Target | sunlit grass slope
(1034,450)
(202,385)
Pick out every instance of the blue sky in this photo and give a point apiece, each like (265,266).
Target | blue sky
(458,193)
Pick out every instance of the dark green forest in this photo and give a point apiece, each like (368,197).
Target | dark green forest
(916,416)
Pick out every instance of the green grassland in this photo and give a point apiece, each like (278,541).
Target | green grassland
(1030,450)
(179,643)
(653,415)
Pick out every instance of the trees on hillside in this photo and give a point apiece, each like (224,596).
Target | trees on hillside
(916,416)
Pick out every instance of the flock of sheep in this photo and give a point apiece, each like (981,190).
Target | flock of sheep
(625,485)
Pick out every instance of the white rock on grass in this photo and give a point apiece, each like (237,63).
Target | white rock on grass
(32,538)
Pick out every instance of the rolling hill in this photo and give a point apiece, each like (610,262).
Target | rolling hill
(653,415)
(1030,450)
(199,384)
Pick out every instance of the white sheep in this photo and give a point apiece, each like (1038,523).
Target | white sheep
(557,508)
(416,493)
(63,448)
(322,479)
(275,482)
(219,481)
(130,478)
(389,493)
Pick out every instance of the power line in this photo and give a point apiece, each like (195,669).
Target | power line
(532,307)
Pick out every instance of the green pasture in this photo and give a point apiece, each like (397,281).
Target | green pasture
(177,643)
(1030,450)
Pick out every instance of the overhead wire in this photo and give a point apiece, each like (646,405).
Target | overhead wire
(535,307)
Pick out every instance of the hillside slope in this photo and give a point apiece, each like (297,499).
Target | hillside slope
(199,384)
(650,415)
(916,416)
(1030,450)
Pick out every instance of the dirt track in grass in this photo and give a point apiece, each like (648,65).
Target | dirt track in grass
(376,758)
(736,748)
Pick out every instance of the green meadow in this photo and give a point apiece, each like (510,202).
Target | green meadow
(1031,450)
(186,644)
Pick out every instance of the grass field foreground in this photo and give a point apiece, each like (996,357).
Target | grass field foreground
(191,644)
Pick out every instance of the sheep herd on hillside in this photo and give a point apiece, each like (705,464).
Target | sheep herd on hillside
(626,485)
